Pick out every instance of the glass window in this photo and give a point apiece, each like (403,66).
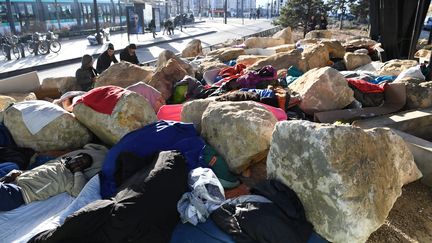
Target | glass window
(51,11)
(3,13)
(30,12)
(66,11)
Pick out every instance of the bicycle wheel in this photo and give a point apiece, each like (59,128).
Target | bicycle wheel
(43,47)
(3,50)
(30,47)
(16,52)
(55,46)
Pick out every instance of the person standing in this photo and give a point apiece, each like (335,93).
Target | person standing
(129,54)
(86,74)
(105,59)
(152,27)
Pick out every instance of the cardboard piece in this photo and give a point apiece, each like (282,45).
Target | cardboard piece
(395,98)
(25,83)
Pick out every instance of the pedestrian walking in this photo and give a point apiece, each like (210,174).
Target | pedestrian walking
(152,27)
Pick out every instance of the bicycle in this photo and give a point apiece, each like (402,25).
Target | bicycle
(54,44)
(12,42)
(31,44)
(38,41)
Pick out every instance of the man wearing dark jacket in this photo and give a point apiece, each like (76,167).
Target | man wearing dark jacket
(86,74)
(129,54)
(105,59)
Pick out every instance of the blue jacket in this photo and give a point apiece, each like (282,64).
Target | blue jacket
(155,137)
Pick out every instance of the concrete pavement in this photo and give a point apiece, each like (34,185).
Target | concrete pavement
(73,50)
(233,30)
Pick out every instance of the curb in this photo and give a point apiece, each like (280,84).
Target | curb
(78,59)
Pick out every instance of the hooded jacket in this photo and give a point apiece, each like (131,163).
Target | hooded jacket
(86,73)
(54,178)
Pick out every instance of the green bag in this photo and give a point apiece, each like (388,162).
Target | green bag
(220,168)
(179,95)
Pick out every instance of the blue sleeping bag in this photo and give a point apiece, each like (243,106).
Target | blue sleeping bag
(155,137)
(207,232)
(6,139)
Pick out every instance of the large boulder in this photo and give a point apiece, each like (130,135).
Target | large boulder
(306,42)
(263,42)
(282,48)
(418,93)
(132,111)
(281,60)
(322,89)
(63,132)
(320,34)
(239,131)
(396,66)
(334,47)
(346,178)
(62,84)
(8,99)
(423,53)
(123,74)
(260,51)
(249,59)
(226,54)
(193,110)
(165,78)
(316,56)
(208,65)
(359,42)
(355,60)
(285,34)
(193,49)
(167,55)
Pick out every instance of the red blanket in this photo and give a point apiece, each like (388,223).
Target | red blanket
(102,99)
(365,86)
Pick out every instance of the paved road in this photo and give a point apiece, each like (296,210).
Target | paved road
(234,29)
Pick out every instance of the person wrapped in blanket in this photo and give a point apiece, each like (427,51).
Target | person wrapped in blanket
(68,174)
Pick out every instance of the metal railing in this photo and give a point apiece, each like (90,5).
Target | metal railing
(206,49)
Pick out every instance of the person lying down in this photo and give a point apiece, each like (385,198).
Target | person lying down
(68,174)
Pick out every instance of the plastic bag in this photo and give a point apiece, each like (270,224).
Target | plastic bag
(412,72)
(206,196)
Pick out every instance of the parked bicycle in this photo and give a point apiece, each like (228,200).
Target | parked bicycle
(44,43)
(12,43)
(54,43)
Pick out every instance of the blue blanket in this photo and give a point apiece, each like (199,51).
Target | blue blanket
(155,137)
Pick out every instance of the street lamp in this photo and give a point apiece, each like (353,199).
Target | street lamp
(225,12)
(96,16)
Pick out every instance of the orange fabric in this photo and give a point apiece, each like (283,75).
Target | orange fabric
(241,190)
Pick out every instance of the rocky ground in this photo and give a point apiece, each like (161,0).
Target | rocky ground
(410,220)
(337,34)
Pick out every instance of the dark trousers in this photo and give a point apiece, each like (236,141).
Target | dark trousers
(10,196)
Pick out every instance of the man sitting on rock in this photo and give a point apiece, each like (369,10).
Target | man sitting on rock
(129,54)
(86,74)
(105,59)
(65,174)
